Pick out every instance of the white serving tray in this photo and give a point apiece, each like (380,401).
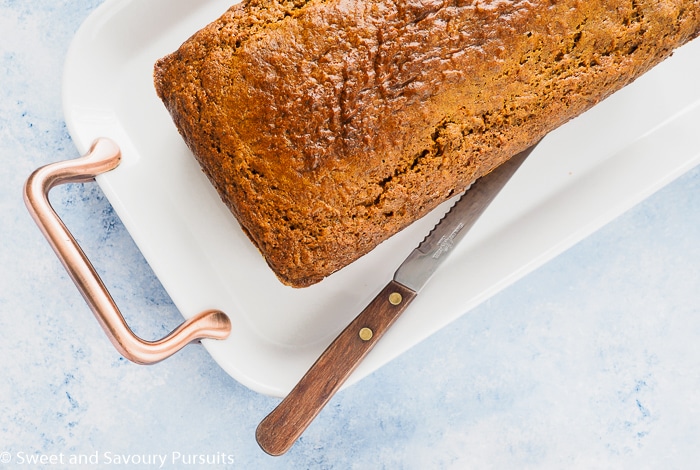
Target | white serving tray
(579,178)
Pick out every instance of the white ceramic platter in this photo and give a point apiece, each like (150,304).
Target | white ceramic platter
(580,177)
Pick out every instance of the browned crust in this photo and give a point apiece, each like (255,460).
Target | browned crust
(329,126)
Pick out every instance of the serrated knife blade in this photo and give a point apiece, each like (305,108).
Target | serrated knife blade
(425,259)
(282,427)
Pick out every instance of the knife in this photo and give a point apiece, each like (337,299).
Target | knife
(280,429)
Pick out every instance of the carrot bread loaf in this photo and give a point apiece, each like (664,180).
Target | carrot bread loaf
(329,125)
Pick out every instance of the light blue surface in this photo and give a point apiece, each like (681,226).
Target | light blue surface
(592,361)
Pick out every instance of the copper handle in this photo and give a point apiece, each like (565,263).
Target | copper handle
(103,156)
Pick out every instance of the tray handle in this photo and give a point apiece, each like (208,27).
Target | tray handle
(103,156)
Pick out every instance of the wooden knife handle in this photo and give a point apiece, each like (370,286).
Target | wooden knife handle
(280,429)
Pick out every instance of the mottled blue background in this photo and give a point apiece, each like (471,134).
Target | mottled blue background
(592,361)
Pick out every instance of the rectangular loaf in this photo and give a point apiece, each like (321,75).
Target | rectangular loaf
(328,126)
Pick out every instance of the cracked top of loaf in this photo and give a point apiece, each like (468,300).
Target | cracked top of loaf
(328,126)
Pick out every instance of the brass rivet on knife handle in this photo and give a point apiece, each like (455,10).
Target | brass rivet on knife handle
(105,155)
(280,429)
(366,334)
(395,298)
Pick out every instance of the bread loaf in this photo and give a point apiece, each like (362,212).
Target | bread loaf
(328,126)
